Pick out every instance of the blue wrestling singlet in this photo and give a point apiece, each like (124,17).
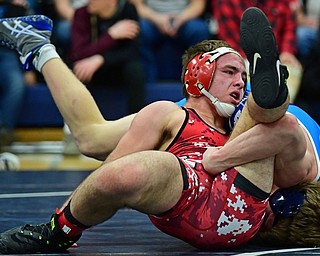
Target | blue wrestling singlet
(310,125)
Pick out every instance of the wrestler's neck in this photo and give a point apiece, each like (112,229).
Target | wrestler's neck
(207,112)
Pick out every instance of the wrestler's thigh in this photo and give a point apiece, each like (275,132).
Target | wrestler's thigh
(260,173)
(151,181)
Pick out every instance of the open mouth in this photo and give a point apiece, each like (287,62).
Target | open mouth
(236,97)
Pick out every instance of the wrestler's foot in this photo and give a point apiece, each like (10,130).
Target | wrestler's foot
(25,34)
(44,238)
(267,75)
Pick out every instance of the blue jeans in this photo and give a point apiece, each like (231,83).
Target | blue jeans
(12,87)
(192,32)
(61,36)
(306,39)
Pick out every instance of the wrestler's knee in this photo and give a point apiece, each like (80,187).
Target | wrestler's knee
(123,176)
(285,130)
(288,127)
(263,115)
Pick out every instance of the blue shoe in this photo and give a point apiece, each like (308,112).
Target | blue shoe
(26,35)
(267,75)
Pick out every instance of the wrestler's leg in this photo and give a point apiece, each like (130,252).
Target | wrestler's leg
(252,115)
(260,173)
(150,182)
(269,99)
(32,42)
(81,113)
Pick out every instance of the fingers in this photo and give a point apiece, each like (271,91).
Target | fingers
(124,29)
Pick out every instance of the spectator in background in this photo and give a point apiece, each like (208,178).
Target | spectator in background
(308,15)
(12,83)
(309,53)
(61,12)
(281,15)
(105,48)
(65,10)
(176,20)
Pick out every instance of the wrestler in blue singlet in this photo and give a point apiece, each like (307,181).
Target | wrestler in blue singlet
(310,125)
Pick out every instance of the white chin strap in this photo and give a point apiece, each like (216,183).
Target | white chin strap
(224,109)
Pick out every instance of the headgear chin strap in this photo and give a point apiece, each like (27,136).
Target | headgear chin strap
(224,109)
(199,75)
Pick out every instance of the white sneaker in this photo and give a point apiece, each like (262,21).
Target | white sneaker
(9,162)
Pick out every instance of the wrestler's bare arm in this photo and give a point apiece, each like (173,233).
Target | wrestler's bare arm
(146,130)
(151,129)
(95,136)
(284,139)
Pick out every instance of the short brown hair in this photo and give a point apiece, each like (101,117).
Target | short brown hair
(202,47)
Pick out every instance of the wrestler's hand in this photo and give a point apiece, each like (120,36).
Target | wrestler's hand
(212,162)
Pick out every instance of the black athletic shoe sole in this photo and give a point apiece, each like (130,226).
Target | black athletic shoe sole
(259,44)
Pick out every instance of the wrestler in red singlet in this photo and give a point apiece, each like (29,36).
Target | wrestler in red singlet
(216,212)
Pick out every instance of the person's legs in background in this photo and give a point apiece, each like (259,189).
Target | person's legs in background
(193,32)
(306,39)
(12,88)
(62,36)
(150,38)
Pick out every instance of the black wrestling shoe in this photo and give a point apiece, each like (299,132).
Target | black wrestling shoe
(44,238)
(267,75)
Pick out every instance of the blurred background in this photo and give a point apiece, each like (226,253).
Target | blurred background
(145,68)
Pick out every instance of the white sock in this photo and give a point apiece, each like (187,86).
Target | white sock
(66,129)
(44,54)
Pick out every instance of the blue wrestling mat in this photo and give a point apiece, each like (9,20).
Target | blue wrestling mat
(32,196)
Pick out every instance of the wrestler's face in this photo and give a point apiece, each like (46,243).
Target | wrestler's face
(229,79)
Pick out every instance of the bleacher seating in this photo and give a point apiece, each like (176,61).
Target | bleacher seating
(169,63)
(39,109)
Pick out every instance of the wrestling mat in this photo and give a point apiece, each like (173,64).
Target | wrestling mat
(32,196)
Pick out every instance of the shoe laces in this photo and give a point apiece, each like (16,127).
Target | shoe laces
(43,231)
(46,235)
(20,29)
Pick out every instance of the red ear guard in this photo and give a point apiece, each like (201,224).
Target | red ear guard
(198,78)
(199,70)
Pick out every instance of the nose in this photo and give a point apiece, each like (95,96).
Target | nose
(239,81)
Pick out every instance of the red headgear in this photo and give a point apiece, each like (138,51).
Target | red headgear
(200,70)
(199,74)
